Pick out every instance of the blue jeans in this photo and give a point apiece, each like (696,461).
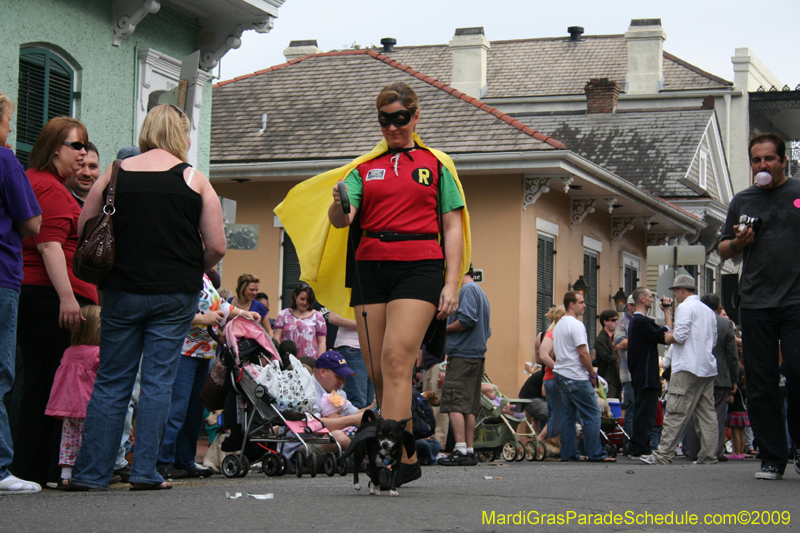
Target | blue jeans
(578,399)
(360,390)
(146,327)
(554,409)
(628,401)
(185,414)
(9,303)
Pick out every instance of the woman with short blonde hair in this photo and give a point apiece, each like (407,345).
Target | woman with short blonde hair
(166,127)
(169,230)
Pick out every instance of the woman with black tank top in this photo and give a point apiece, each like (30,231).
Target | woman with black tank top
(169,230)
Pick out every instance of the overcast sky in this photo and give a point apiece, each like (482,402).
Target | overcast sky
(702,32)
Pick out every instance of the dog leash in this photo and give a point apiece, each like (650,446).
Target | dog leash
(345,201)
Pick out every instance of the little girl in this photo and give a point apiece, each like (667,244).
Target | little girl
(73,385)
(331,406)
(737,418)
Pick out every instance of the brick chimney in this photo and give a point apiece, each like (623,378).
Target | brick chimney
(469,47)
(602,96)
(299,49)
(645,39)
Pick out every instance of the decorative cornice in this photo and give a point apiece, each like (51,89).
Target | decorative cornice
(212,52)
(126,14)
(534,188)
(661,238)
(579,208)
(619,225)
(567,181)
(611,202)
(648,222)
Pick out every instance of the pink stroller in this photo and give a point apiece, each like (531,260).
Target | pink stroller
(273,400)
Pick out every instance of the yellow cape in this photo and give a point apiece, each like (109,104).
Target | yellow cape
(321,248)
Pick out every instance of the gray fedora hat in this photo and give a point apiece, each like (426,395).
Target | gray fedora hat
(684,282)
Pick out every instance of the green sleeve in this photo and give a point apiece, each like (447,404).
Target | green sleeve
(355,188)
(451,197)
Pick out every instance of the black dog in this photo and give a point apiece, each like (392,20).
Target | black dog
(381,442)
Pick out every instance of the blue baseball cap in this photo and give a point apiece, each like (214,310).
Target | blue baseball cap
(333,360)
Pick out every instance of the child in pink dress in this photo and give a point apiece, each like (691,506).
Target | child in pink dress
(73,385)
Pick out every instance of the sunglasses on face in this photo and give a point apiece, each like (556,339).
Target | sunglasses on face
(398,118)
(77,145)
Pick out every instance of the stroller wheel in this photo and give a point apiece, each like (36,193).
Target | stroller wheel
(611,450)
(530,451)
(271,464)
(244,468)
(297,459)
(541,451)
(520,452)
(284,465)
(312,465)
(231,465)
(343,466)
(330,464)
(509,451)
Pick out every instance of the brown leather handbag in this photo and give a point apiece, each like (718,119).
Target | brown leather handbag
(94,257)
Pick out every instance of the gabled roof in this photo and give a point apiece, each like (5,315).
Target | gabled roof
(554,66)
(652,149)
(323,107)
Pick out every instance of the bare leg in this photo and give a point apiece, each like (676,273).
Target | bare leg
(405,326)
(469,430)
(458,425)
(371,351)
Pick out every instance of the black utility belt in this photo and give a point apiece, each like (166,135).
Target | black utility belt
(388,236)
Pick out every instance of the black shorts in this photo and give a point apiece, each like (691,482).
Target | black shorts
(378,282)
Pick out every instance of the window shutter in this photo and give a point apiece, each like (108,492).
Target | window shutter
(291,271)
(590,277)
(45,92)
(631,280)
(544,284)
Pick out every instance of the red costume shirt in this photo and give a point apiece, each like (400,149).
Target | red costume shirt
(399,193)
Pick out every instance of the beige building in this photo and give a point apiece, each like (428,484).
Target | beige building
(542,214)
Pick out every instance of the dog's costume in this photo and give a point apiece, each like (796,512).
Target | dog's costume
(321,248)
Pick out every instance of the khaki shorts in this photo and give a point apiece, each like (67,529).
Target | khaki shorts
(461,391)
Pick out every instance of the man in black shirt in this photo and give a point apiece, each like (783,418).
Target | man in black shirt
(644,336)
(770,297)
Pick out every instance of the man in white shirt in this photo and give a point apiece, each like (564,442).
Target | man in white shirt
(576,381)
(691,387)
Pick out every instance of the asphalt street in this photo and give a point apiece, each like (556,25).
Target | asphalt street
(460,499)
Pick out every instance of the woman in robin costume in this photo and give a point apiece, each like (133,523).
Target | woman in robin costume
(403,200)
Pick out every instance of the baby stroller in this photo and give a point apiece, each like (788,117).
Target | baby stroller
(611,431)
(498,434)
(272,405)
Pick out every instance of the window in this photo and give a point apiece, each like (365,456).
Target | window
(703,171)
(45,92)
(544,280)
(291,271)
(631,266)
(709,281)
(590,277)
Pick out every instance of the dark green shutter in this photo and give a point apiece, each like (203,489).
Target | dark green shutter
(291,271)
(544,281)
(631,280)
(590,277)
(45,92)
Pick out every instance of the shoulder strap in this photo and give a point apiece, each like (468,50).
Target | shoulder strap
(189,180)
(108,208)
